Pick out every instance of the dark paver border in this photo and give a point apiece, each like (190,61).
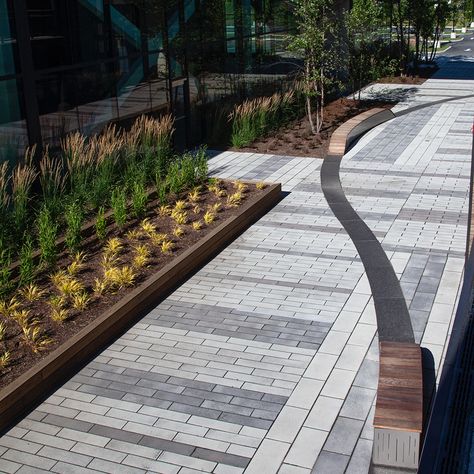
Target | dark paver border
(393,318)
(399,408)
(26,391)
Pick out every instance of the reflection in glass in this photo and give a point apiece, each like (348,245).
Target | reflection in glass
(13,131)
(8,44)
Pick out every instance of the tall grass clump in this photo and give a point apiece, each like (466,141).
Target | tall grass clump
(139,199)
(118,202)
(23,177)
(47,230)
(84,179)
(256,117)
(187,171)
(27,265)
(107,149)
(78,162)
(74,216)
(6,283)
(154,138)
(53,179)
(4,200)
(101,224)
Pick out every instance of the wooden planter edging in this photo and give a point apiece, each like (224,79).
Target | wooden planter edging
(31,387)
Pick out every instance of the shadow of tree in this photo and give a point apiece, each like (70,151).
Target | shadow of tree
(390,94)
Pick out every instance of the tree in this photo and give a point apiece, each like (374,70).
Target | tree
(361,24)
(422,19)
(400,14)
(316,40)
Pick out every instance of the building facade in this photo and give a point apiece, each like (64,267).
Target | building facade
(70,65)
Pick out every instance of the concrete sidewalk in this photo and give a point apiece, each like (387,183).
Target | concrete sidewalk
(266,360)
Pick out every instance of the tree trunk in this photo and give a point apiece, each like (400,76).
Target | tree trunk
(321,101)
(309,113)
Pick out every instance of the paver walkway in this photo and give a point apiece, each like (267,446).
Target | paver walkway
(266,360)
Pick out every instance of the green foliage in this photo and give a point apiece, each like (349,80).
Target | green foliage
(118,202)
(102,183)
(161,189)
(317,42)
(139,198)
(364,48)
(27,265)
(74,216)
(101,224)
(47,234)
(187,171)
(202,168)
(23,178)
(254,118)
(6,284)
(53,181)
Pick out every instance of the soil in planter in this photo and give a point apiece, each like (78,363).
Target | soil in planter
(297,140)
(424,73)
(409,80)
(23,357)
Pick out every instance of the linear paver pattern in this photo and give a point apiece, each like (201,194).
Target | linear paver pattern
(266,360)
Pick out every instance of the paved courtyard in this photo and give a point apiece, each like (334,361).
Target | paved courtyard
(266,360)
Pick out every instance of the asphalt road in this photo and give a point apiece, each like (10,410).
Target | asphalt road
(461,48)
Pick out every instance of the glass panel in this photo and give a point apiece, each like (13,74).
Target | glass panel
(133,92)
(81,99)
(96,96)
(66,32)
(13,131)
(8,46)
(125,21)
(153,15)
(176,39)
(57,106)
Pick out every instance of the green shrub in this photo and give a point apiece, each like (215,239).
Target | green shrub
(74,216)
(47,234)
(27,265)
(101,224)
(6,284)
(139,199)
(118,202)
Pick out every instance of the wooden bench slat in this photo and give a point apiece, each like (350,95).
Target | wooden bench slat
(400,390)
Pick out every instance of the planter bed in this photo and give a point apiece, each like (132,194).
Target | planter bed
(33,372)
(296,138)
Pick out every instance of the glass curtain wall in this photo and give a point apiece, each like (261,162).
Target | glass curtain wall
(97,61)
(13,129)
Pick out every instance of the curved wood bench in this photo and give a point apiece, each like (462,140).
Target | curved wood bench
(349,131)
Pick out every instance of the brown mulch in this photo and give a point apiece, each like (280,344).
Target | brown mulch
(296,139)
(410,80)
(22,355)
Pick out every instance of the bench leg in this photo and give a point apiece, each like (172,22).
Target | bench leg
(396,448)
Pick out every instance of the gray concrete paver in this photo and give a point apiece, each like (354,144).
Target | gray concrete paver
(266,360)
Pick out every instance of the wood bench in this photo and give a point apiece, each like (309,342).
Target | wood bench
(398,420)
(344,135)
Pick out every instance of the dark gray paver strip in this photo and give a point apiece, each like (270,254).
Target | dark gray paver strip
(269,281)
(393,318)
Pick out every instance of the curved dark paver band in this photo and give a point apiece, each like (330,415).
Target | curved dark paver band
(393,318)
(414,108)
